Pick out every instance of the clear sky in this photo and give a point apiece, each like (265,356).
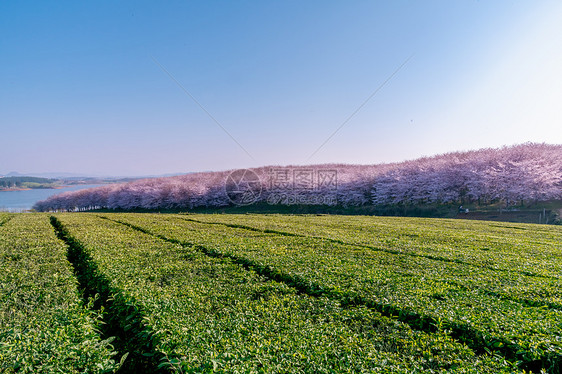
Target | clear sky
(84,87)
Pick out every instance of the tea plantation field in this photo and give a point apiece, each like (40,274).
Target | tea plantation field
(196,293)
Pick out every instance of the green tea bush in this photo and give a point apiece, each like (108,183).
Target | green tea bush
(44,325)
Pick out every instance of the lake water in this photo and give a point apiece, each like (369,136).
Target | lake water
(17,201)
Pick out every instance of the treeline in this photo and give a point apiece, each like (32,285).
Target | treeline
(517,174)
(26,182)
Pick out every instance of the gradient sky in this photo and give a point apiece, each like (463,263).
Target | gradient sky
(81,88)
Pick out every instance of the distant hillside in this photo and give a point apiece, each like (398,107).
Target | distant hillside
(24,182)
(509,175)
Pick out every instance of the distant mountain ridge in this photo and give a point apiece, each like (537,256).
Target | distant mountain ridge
(65,175)
(50,175)
(526,172)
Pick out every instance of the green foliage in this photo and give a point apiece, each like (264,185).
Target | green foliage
(5,217)
(44,327)
(26,182)
(489,286)
(210,314)
(278,293)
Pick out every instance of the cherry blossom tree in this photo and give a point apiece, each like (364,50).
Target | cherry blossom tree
(521,173)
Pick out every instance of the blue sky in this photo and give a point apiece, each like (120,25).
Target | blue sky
(81,88)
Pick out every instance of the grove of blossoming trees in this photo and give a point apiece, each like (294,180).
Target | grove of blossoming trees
(528,172)
(523,173)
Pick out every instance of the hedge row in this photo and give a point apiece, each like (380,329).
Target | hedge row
(210,314)
(458,298)
(518,248)
(44,325)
